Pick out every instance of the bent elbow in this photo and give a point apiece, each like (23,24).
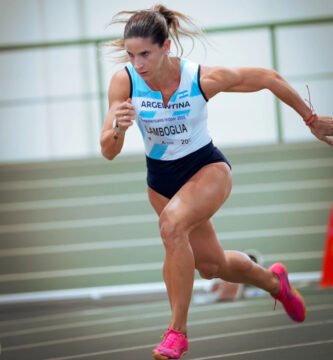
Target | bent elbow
(272,78)
(275,75)
(106,150)
(108,156)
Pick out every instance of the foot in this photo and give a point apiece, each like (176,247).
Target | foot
(290,298)
(173,346)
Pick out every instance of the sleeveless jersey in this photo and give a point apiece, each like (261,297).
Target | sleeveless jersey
(177,129)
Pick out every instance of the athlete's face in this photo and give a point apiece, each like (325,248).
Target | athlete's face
(146,57)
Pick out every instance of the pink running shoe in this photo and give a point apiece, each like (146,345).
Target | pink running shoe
(173,346)
(290,298)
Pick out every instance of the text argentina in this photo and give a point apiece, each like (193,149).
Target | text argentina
(167,130)
(160,105)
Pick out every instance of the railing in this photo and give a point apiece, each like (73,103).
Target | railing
(97,42)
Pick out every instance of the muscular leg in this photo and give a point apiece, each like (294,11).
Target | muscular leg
(193,204)
(233,266)
(159,202)
(190,241)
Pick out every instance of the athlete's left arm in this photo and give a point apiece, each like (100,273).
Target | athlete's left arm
(214,80)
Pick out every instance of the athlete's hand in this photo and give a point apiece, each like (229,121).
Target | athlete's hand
(125,115)
(322,128)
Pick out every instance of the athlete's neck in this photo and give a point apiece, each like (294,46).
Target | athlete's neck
(167,77)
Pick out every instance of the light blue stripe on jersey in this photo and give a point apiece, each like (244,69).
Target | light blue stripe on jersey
(195,90)
(141,89)
(173,97)
(158,151)
(180,112)
(147,114)
(141,129)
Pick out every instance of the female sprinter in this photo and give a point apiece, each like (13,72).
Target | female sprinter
(188,178)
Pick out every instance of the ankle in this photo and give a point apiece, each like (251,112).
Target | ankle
(276,284)
(181,329)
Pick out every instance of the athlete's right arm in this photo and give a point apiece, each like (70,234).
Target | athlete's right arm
(121,112)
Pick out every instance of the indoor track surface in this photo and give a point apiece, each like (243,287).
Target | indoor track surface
(128,328)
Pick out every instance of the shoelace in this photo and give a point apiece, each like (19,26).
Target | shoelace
(171,340)
(165,334)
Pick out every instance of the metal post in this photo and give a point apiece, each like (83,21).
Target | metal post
(100,84)
(272,30)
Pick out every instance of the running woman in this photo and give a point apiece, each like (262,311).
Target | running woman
(189,179)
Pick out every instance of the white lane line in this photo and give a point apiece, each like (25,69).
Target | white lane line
(131,318)
(299,255)
(141,175)
(127,268)
(137,243)
(142,196)
(96,160)
(158,328)
(257,315)
(160,314)
(204,338)
(282,165)
(74,202)
(138,307)
(90,180)
(84,313)
(112,269)
(74,224)
(146,218)
(275,348)
(126,290)
(283,186)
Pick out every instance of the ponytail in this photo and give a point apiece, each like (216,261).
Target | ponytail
(157,23)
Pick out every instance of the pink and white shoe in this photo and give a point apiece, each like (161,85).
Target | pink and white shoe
(173,346)
(290,298)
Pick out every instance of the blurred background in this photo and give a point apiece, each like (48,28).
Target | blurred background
(73,224)
(54,73)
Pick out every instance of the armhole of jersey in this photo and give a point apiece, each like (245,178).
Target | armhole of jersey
(131,83)
(203,94)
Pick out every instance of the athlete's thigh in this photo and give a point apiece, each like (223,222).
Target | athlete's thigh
(157,200)
(201,196)
(204,243)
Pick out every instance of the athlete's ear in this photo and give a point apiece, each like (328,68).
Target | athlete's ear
(129,100)
(167,46)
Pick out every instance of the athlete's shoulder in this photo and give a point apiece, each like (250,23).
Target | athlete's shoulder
(189,64)
(215,79)
(121,76)
(120,84)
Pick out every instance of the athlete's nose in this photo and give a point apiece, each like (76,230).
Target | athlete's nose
(137,64)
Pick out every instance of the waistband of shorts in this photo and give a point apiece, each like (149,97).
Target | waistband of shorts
(165,163)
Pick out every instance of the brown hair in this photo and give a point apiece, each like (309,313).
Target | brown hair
(156,23)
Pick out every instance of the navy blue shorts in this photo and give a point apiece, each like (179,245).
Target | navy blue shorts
(167,176)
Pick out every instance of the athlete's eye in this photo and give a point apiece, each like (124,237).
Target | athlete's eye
(145,53)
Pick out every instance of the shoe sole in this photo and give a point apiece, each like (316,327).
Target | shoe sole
(157,356)
(296,293)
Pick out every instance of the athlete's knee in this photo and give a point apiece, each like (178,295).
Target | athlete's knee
(208,270)
(172,231)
